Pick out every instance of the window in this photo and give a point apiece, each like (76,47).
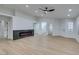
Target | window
(70,26)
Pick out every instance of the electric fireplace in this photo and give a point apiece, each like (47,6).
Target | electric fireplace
(17,34)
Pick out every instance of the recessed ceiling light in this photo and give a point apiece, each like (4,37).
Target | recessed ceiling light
(27,6)
(42,15)
(70,10)
(36,11)
(68,15)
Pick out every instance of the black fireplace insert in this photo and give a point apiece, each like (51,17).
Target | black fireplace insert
(17,34)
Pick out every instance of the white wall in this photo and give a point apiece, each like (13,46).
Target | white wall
(6,11)
(10,28)
(56,27)
(63,28)
(22,21)
(4,26)
(60,27)
(77,28)
(19,21)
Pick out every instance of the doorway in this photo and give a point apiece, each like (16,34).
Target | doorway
(43,28)
(6,31)
(3,29)
(50,29)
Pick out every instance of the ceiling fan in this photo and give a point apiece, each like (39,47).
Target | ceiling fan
(46,10)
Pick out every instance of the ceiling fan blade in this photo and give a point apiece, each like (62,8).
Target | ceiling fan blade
(51,10)
(46,8)
(42,9)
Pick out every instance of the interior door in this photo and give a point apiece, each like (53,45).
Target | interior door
(36,28)
(5,29)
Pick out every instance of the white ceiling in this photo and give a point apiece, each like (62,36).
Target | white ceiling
(61,10)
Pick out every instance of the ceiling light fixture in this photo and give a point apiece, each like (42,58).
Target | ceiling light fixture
(70,10)
(27,6)
(36,11)
(42,15)
(68,15)
(47,10)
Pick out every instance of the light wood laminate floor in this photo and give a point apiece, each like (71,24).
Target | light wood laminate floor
(39,45)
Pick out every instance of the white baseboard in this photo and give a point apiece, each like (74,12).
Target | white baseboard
(67,36)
